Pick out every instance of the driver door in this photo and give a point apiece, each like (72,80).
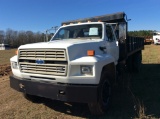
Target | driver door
(111,42)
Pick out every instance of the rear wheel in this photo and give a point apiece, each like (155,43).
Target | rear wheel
(103,103)
(134,62)
(137,61)
(130,64)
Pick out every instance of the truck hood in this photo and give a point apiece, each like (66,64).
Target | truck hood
(75,48)
(56,44)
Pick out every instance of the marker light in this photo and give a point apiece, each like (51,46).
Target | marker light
(90,52)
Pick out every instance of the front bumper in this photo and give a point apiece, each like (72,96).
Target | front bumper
(63,92)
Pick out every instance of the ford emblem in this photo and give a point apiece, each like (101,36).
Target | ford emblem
(39,61)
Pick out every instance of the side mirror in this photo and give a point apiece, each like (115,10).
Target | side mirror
(122,31)
(117,34)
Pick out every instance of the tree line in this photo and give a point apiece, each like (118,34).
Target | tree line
(142,33)
(16,38)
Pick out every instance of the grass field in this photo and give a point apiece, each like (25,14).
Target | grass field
(138,97)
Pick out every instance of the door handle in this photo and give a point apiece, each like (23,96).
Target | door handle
(102,48)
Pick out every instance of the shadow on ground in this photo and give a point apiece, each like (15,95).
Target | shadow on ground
(146,87)
(143,87)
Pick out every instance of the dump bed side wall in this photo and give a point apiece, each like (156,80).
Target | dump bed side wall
(134,44)
(130,46)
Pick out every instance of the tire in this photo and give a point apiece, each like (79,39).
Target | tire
(130,64)
(137,62)
(104,95)
(134,62)
(120,76)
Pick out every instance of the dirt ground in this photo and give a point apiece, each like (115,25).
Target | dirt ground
(13,105)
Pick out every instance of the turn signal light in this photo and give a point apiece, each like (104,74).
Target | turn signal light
(90,52)
(16,52)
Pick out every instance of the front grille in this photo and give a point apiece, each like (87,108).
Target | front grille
(44,54)
(43,61)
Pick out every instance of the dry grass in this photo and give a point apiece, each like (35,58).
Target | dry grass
(5,56)
(138,98)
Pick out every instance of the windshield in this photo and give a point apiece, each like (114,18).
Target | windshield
(79,32)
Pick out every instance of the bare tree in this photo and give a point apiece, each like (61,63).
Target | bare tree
(17,38)
(2,36)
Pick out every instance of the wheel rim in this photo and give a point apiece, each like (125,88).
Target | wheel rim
(106,91)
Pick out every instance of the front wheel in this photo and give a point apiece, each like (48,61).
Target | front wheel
(103,103)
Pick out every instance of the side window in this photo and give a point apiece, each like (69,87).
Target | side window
(109,33)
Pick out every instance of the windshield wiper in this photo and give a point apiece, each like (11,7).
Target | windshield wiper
(57,39)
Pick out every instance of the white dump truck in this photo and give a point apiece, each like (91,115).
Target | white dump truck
(80,63)
(156,38)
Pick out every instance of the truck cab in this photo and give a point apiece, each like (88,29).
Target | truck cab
(101,32)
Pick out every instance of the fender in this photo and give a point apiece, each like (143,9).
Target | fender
(107,63)
(100,62)
(16,72)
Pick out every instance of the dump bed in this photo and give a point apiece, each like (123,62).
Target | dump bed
(127,45)
(116,17)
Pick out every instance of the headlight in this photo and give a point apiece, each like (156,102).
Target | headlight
(86,69)
(14,65)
